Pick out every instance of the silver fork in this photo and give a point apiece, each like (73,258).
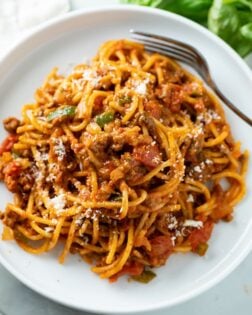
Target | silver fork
(189,55)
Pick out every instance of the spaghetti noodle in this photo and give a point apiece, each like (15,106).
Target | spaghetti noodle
(127,160)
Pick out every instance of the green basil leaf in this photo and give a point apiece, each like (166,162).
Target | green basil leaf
(245,17)
(196,10)
(245,4)
(246,31)
(223,20)
(226,21)
(243,47)
(148,3)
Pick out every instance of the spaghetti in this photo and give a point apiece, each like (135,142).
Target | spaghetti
(127,160)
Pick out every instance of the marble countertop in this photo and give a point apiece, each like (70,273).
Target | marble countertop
(232,296)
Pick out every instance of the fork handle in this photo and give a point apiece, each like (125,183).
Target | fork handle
(228,103)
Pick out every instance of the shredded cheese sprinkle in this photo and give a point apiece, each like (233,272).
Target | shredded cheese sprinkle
(58,203)
(193,223)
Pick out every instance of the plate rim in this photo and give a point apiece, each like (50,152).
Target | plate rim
(15,50)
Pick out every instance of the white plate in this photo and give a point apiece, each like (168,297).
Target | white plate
(68,41)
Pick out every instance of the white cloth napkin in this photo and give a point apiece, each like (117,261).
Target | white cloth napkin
(18,16)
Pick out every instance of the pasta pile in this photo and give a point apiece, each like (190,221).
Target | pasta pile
(123,160)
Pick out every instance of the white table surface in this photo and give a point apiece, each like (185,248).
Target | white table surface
(232,296)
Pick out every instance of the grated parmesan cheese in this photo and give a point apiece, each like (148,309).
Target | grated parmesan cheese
(87,74)
(173,239)
(59,149)
(214,115)
(141,87)
(173,223)
(58,203)
(79,220)
(48,229)
(193,223)
(92,77)
(44,156)
(177,233)
(190,198)
(197,169)
(197,131)
(208,161)
(208,116)
(88,213)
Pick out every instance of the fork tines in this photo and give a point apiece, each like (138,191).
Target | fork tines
(167,46)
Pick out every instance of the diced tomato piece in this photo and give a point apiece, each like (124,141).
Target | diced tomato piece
(201,235)
(12,169)
(149,155)
(154,109)
(131,269)
(161,248)
(98,104)
(8,143)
